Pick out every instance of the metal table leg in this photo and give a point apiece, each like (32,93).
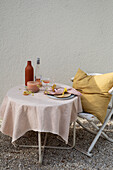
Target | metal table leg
(39,144)
(40,147)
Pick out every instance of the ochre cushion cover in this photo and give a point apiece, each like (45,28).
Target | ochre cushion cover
(95,97)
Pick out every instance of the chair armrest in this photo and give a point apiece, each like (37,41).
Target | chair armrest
(110,91)
(72,79)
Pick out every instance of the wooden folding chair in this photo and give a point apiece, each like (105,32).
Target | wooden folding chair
(99,131)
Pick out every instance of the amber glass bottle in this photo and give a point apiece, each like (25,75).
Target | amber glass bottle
(29,73)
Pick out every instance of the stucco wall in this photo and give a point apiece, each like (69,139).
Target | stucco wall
(65,34)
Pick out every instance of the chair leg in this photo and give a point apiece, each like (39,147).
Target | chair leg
(100,131)
(103,134)
(98,134)
(90,131)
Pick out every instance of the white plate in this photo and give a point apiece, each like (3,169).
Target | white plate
(63,98)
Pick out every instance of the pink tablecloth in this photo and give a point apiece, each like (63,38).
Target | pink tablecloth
(21,113)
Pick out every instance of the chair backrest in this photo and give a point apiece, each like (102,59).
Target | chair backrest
(90,74)
(93,74)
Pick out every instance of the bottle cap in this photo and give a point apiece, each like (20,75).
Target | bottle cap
(38,60)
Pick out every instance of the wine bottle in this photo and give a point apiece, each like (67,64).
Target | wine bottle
(37,71)
(29,73)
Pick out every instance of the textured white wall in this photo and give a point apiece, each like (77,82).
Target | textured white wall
(65,34)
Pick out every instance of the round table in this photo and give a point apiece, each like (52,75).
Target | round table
(37,112)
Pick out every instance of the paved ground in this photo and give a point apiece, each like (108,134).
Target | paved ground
(26,158)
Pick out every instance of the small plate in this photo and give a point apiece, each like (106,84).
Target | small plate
(61,98)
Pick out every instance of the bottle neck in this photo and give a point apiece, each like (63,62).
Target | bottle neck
(29,63)
(38,60)
(38,63)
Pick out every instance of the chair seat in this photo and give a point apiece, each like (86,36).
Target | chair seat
(87,116)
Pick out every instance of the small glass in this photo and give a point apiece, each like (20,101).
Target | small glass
(46,82)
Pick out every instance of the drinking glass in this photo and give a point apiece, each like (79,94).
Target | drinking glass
(45,82)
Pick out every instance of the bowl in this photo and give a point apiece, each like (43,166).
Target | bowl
(32,86)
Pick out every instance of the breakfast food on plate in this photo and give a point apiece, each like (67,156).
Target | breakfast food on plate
(63,95)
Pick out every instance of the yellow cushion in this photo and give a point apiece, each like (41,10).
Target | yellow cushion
(95,97)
